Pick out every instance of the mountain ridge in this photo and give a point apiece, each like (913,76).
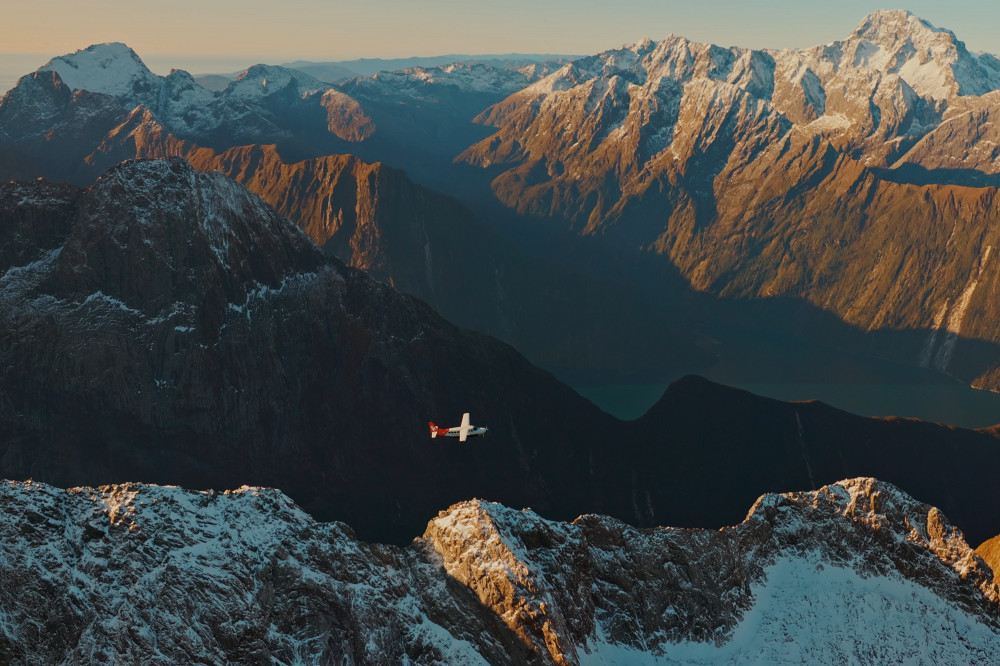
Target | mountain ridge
(485,583)
(762,174)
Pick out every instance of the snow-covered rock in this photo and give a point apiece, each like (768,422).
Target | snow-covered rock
(931,60)
(111,69)
(856,572)
(264,80)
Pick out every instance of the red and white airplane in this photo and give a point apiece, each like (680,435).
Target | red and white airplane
(462,432)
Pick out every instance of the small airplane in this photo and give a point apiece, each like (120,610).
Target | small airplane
(462,432)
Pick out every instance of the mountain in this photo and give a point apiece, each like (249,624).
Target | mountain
(856,571)
(591,309)
(111,69)
(364,67)
(265,104)
(783,174)
(704,434)
(342,71)
(572,306)
(419,116)
(167,326)
(557,312)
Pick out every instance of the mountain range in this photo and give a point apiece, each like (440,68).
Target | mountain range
(167,325)
(857,176)
(717,191)
(210,289)
(344,70)
(852,572)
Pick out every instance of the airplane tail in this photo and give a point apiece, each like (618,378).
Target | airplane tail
(434,430)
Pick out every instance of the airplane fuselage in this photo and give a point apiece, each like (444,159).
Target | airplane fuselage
(474,431)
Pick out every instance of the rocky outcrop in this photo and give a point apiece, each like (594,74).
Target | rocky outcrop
(989,550)
(855,571)
(46,128)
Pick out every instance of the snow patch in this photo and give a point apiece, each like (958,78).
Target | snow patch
(101,297)
(808,611)
(18,280)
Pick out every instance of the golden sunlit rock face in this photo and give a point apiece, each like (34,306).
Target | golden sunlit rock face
(990,552)
(855,176)
(345,117)
(340,201)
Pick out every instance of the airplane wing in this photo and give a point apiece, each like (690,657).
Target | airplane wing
(463,430)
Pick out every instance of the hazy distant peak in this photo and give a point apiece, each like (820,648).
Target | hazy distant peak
(111,69)
(263,79)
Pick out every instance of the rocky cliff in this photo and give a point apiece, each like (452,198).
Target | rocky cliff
(853,572)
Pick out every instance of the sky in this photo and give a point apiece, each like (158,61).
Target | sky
(228,35)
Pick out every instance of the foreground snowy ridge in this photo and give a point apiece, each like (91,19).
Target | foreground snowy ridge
(854,572)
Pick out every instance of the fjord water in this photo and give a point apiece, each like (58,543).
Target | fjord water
(785,367)
(951,403)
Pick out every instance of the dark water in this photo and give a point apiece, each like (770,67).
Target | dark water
(786,367)
(952,404)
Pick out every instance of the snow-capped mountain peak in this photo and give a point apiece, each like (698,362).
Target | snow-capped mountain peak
(253,109)
(264,80)
(889,26)
(112,69)
(932,60)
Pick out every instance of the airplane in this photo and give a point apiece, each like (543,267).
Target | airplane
(462,432)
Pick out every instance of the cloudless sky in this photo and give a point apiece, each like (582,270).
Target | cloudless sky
(226,35)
